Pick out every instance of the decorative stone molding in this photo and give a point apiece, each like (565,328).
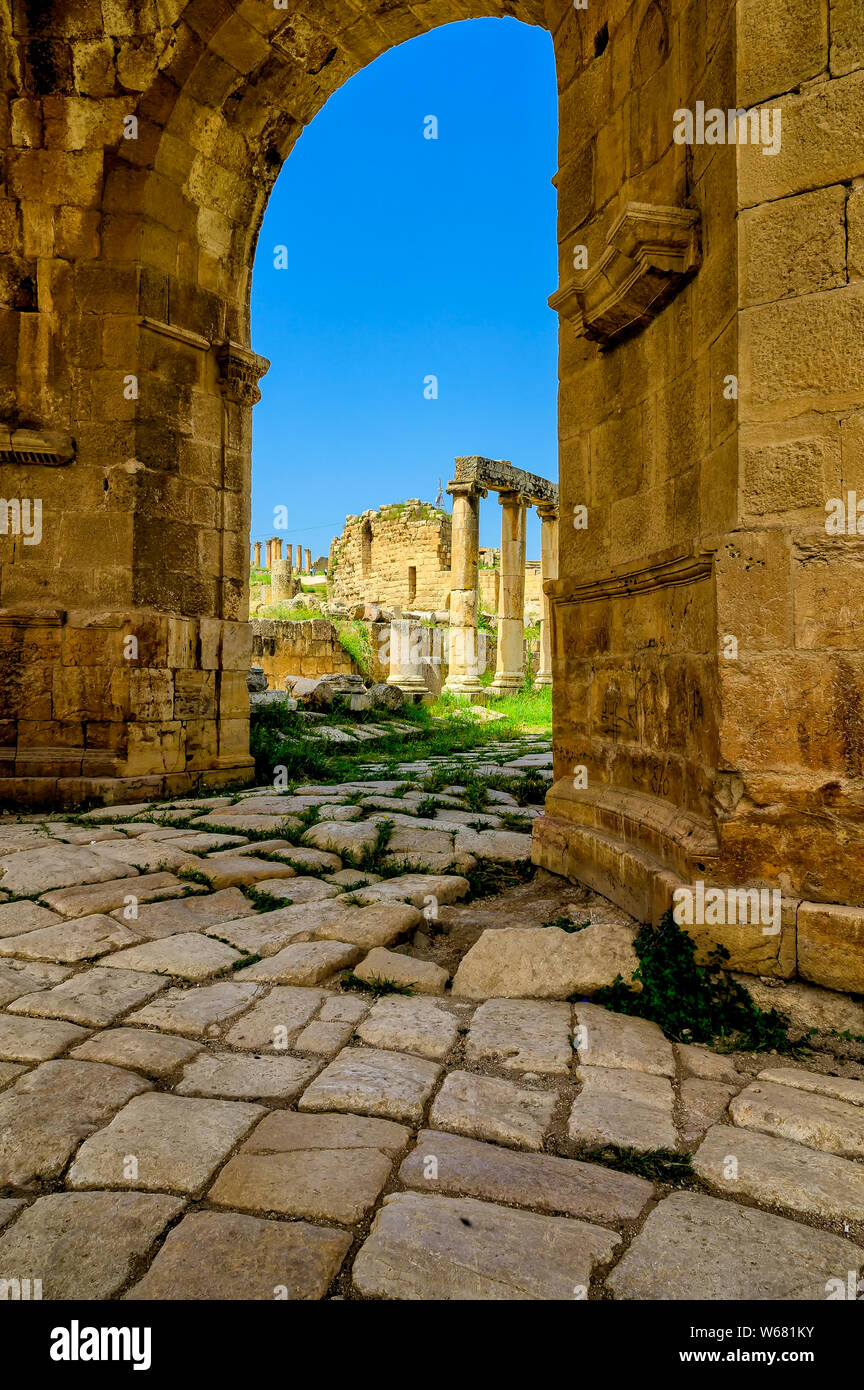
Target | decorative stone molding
(689,569)
(240,370)
(53,447)
(173,330)
(650,252)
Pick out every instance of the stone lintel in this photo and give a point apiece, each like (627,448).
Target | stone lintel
(53,447)
(650,252)
(498,475)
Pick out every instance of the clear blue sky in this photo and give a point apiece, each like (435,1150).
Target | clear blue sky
(409,257)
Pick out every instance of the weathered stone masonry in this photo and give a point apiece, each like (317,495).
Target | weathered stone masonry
(125,329)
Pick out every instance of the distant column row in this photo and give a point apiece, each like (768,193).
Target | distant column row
(273,553)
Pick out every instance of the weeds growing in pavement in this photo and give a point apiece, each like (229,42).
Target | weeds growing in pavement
(658,1165)
(376,985)
(693,1002)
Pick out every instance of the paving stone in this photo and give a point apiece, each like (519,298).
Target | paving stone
(228,1257)
(522,1035)
(423,861)
(379,924)
(33,871)
(780,1173)
(150,1053)
(343,1008)
(157,920)
(341,838)
(188,955)
(19,977)
(89,898)
(273,1024)
(85,938)
(227,871)
(240,1076)
(446,1248)
(545,962)
(86,1245)
(836,1126)
(198,1013)
(503,846)
(19,917)
(630,1109)
(703,1103)
(298,889)
(326,1167)
(305,964)
(465,1167)
(47,1112)
(605,1039)
(324,1039)
(112,813)
(410,1025)
(92,997)
(250,825)
(146,855)
(838,1087)
(269,932)
(177,1142)
(300,856)
(484,1107)
(350,878)
(35,1040)
(698,1247)
(199,842)
(10,1071)
(367,1081)
(420,890)
(9,1207)
(423,976)
(709,1066)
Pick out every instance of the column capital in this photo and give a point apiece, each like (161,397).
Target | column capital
(240,370)
(547,511)
(510,497)
(466,490)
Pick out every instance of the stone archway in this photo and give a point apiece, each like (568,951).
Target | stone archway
(141,151)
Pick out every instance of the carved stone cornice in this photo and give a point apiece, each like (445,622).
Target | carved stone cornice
(650,252)
(687,569)
(240,370)
(52,447)
(499,475)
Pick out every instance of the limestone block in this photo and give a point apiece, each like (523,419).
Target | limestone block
(831,945)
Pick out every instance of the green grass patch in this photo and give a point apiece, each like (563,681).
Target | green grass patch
(658,1165)
(376,985)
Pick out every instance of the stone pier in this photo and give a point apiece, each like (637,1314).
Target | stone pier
(405,658)
(510,663)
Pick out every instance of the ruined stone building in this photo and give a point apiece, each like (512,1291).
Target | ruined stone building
(398,554)
(708,676)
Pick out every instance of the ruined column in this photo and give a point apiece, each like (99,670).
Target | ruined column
(509,666)
(299,565)
(281,580)
(257,555)
(277,548)
(406,655)
(548,515)
(464,674)
(307,555)
(269,554)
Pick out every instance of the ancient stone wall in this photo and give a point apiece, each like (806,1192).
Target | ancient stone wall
(399,554)
(309,648)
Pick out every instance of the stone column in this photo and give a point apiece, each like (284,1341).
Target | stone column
(307,556)
(509,667)
(463,676)
(281,581)
(548,515)
(406,641)
(299,565)
(277,548)
(257,555)
(269,545)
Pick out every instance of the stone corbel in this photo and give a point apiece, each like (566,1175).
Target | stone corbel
(650,252)
(240,370)
(53,447)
